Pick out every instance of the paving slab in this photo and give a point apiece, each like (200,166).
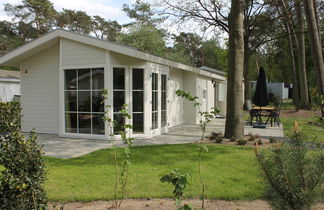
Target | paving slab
(60,147)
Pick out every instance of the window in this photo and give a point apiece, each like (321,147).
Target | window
(84,109)
(154,100)
(204,94)
(138,100)
(118,96)
(163,100)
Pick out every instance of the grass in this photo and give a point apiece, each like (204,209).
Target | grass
(231,173)
(313,133)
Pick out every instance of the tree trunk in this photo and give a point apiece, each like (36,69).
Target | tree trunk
(293,68)
(246,72)
(316,46)
(234,112)
(304,99)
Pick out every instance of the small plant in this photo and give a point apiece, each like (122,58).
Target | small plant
(251,138)
(257,136)
(292,177)
(215,135)
(180,181)
(241,142)
(260,142)
(205,118)
(232,139)
(10,117)
(272,140)
(121,178)
(219,139)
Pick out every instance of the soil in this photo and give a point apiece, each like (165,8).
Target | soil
(167,204)
(298,114)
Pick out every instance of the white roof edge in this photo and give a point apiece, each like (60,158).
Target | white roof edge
(105,45)
(9,80)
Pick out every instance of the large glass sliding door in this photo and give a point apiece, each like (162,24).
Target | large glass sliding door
(84,109)
(163,100)
(118,96)
(155,101)
(138,100)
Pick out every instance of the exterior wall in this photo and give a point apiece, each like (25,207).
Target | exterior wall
(189,85)
(221,99)
(40,92)
(206,94)
(75,54)
(175,109)
(119,59)
(8,90)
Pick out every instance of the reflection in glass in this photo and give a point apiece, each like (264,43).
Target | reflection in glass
(138,97)
(97,98)
(154,101)
(71,122)
(97,79)
(154,120)
(98,125)
(119,123)
(138,122)
(85,123)
(84,79)
(119,100)
(138,77)
(119,78)
(70,79)
(84,101)
(70,100)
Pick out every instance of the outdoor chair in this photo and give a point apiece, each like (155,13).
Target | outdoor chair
(274,116)
(252,114)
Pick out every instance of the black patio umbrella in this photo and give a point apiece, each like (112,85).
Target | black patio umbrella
(261,97)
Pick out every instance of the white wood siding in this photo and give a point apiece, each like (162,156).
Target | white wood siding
(40,92)
(175,105)
(77,54)
(120,59)
(189,85)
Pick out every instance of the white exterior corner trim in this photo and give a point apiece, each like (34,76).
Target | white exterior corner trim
(12,57)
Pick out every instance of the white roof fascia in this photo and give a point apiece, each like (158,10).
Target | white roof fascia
(9,80)
(105,45)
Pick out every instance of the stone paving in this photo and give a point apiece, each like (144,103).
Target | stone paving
(56,146)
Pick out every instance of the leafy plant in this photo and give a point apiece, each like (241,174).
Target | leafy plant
(272,140)
(215,135)
(10,117)
(241,142)
(292,177)
(205,118)
(121,178)
(251,138)
(232,139)
(219,139)
(21,181)
(180,182)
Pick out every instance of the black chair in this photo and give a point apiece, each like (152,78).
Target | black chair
(252,113)
(274,116)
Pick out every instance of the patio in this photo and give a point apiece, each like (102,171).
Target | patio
(55,146)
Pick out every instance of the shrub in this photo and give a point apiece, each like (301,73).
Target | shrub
(232,139)
(251,138)
(180,181)
(215,135)
(21,181)
(219,139)
(10,117)
(272,140)
(241,142)
(292,177)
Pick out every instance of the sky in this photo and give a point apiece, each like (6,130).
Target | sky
(109,9)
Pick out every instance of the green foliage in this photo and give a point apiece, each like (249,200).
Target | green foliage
(272,140)
(205,118)
(121,178)
(232,139)
(219,139)
(21,181)
(241,142)
(292,176)
(180,181)
(10,117)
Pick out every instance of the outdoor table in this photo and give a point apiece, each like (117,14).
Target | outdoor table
(256,113)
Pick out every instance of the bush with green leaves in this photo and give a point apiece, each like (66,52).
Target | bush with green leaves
(21,181)
(10,117)
(180,181)
(292,175)
(241,142)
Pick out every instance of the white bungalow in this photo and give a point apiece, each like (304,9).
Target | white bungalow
(63,74)
(9,85)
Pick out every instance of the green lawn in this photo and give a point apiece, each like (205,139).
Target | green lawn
(231,173)
(313,133)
